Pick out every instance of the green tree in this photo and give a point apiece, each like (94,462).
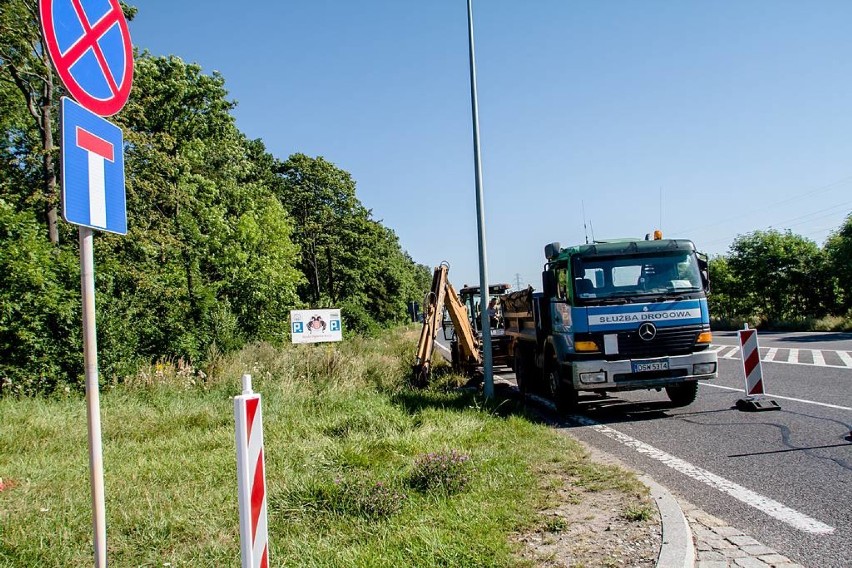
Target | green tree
(726,299)
(208,257)
(838,247)
(780,275)
(39,319)
(348,258)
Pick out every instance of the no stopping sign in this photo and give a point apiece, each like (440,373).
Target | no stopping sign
(89,44)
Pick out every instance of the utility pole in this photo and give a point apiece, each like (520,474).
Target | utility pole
(488,386)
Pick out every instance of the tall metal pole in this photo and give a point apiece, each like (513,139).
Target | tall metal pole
(93,402)
(488,387)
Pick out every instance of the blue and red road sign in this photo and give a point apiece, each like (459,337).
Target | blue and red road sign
(92,170)
(89,43)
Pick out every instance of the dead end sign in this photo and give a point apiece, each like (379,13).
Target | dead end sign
(89,44)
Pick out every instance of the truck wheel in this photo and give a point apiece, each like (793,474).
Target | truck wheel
(521,372)
(683,394)
(564,396)
(454,357)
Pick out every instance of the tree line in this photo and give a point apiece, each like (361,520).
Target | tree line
(783,280)
(223,237)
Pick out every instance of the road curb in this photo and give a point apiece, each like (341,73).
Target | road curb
(676,549)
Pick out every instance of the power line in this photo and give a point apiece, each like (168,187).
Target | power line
(808,218)
(773,205)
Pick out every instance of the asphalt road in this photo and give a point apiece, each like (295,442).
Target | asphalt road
(783,477)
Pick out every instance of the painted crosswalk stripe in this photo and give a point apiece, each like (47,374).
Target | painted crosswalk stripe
(716,348)
(845,357)
(770,355)
(794,356)
(732,353)
(818,358)
(764,504)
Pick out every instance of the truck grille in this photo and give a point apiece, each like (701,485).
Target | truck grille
(649,376)
(668,341)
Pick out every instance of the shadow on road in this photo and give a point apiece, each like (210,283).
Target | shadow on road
(834,336)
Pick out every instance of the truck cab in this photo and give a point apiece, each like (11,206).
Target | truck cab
(619,315)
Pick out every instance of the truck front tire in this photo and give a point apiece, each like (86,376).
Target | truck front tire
(682,394)
(564,396)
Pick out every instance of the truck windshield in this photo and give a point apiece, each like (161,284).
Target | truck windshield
(631,277)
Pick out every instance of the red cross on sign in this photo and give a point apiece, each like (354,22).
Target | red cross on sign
(89,44)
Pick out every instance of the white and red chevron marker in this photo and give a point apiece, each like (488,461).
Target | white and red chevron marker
(755,399)
(251,478)
(751,362)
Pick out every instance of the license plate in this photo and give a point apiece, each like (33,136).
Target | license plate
(646,366)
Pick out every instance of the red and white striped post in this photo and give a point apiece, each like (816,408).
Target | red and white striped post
(753,372)
(251,478)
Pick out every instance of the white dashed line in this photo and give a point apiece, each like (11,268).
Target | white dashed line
(781,397)
(764,504)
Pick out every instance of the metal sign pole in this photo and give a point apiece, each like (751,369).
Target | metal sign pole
(488,386)
(93,403)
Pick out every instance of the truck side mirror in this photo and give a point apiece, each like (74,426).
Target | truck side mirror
(548,283)
(704,269)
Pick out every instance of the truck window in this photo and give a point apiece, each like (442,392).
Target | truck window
(626,275)
(562,283)
(635,275)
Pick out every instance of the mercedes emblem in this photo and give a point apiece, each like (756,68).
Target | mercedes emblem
(647,331)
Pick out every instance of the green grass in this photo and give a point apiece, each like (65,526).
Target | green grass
(343,434)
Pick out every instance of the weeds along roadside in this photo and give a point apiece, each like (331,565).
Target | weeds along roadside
(361,469)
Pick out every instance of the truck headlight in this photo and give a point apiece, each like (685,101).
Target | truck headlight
(590,378)
(704,368)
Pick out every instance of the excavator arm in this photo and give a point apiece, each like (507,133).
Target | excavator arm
(443,295)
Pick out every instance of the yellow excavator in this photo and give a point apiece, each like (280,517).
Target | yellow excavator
(466,353)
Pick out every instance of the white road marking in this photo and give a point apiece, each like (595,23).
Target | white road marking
(716,348)
(794,356)
(445,349)
(764,504)
(835,406)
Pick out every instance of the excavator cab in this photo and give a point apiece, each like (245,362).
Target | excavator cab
(470,297)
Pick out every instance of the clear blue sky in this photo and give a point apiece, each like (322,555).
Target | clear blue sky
(737,113)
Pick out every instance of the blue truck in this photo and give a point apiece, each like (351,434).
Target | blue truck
(626,314)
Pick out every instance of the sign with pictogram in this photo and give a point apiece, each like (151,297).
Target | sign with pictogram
(315,326)
(92,170)
(89,44)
